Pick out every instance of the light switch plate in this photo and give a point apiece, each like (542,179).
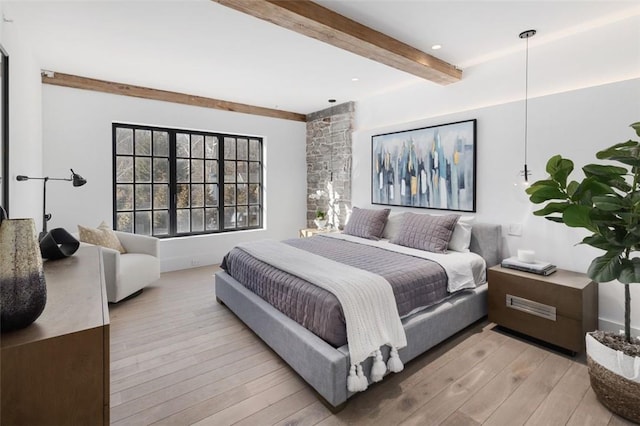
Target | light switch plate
(515,229)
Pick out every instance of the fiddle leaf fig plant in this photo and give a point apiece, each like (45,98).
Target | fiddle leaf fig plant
(606,202)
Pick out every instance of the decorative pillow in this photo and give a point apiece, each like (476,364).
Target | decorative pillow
(425,232)
(461,237)
(102,236)
(366,223)
(393,225)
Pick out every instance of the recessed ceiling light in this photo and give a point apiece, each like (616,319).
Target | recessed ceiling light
(355,79)
(436,46)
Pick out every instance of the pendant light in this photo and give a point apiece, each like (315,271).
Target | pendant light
(525,173)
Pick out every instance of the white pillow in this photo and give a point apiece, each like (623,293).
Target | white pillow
(391,228)
(461,237)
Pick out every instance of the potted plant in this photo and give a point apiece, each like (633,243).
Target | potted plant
(321,219)
(606,202)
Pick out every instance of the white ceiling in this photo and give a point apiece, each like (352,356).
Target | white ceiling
(200,47)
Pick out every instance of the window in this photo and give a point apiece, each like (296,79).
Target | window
(170,182)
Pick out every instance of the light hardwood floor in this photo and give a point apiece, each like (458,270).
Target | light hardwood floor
(177,358)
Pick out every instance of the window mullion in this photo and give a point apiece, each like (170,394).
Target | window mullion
(173,212)
(221,172)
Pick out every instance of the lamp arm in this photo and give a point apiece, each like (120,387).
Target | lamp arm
(46,178)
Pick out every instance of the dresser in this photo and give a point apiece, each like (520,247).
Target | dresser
(559,309)
(56,370)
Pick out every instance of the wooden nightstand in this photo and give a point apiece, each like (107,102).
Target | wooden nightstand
(310,232)
(559,309)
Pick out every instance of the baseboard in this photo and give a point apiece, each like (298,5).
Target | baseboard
(613,326)
(185,262)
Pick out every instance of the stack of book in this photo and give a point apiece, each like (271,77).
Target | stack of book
(537,267)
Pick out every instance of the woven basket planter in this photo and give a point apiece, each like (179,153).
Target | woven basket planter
(615,379)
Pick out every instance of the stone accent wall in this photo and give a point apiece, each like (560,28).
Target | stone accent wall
(329,156)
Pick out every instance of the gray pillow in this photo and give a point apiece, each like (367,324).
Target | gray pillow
(393,225)
(425,232)
(366,223)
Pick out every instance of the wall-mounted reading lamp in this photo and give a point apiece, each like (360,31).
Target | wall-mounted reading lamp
(75,178)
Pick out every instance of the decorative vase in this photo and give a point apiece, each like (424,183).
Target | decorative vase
(23,292)
(320,223)
(615,378)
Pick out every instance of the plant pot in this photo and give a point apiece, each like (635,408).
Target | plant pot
(615,378)
(320,223)
(23,292)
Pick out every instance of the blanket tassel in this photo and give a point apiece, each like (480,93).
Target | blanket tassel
(378,369)
(364,384)
(394,363)
(353,384)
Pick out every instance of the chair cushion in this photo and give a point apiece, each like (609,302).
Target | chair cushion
(102,236)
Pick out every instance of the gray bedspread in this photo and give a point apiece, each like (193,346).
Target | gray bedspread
(415,282)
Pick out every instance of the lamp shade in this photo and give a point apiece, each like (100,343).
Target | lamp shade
(77,179)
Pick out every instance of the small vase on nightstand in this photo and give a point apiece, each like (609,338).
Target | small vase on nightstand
(320,223)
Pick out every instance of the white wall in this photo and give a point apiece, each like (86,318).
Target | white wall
(25,124)
(586,92)
(77,134)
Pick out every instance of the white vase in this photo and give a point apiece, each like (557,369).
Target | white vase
(615,378)
(320,223)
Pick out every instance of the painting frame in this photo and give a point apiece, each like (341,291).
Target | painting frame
(432,167)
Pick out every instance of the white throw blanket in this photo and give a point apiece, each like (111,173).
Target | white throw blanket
(367,301)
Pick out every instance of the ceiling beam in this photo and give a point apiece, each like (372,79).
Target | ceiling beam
(313,20)
(76,82)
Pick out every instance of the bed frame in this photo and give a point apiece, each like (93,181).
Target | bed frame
(326,368)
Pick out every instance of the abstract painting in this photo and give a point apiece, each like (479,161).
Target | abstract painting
(432,167)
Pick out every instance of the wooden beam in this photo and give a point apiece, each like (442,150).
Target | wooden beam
(76,82)
(313,20)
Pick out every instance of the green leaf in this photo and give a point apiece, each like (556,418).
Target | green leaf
(609,203)
(599,242)
(620,184)
(589,188)
(615,150)
(559,169)
(555,219)
(535,186)
(603,218)
(602,170)
(607,267)
(636,127)
(579,217)
(545,193)
(552,208)
(630,272)
(571,188)
(625,152)
(630,240)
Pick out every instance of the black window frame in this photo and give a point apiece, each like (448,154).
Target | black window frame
(255,208)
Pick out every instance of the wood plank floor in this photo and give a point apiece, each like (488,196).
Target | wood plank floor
(179,358)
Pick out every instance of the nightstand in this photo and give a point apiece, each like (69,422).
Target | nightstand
(310,232)
(559,309)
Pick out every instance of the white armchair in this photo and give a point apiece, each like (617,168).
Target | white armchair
(128,273)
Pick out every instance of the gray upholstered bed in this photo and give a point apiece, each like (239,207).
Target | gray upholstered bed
(325,367)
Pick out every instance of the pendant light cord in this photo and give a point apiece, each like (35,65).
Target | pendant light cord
(526,105)
(526,35)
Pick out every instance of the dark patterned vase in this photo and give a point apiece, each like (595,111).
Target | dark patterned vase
(23,292)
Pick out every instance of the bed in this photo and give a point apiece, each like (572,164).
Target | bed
(326,367)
